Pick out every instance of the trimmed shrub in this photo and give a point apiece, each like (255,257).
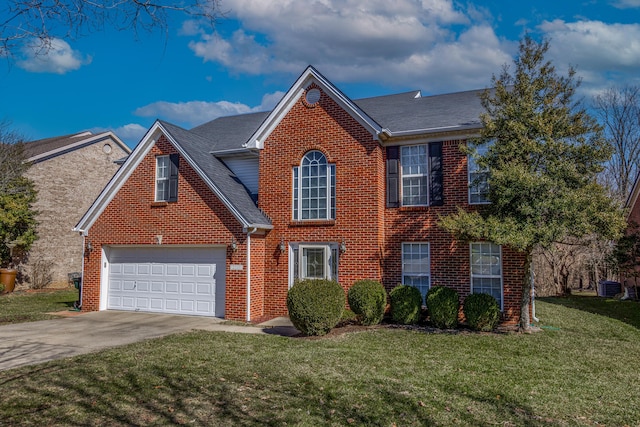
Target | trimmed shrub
(406,304)
(315,305)
(481,311)
(443,306)
(368,299)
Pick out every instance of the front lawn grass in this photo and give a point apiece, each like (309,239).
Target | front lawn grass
(26,306)
(581,371)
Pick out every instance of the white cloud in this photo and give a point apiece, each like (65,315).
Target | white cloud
(130,134)
(423,44)
(194,113)
(626,4)
(52,56)
(601,52)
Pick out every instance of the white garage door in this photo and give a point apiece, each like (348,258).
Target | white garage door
(164,279)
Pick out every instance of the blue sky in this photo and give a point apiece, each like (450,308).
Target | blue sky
(117,81)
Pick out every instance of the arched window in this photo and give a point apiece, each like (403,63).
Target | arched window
(314,188)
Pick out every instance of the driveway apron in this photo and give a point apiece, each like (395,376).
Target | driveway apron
(36,342)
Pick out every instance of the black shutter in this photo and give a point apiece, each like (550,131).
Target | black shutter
(174,161)
(393,177)
(436,192)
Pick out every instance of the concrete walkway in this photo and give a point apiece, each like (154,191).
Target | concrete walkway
(36,342)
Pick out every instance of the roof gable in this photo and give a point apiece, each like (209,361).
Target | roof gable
(195,150)
(309,76)
(44,149)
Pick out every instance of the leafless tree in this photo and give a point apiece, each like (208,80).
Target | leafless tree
(619,112)
(12,157)
(36,23)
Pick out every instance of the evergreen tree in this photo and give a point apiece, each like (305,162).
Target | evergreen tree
(543,155)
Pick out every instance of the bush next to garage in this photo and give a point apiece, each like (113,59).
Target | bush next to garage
(481,311)
(406,304)
(368,299)
(443,306)
(315,305)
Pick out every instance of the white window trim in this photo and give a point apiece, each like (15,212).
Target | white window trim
(477,170)
(402,261)
(300,246)
(402,175)
(165,179)
(490,276)
(296,178)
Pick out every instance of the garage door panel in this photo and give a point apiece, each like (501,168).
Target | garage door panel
(188,270)
(170,280)
(204,288)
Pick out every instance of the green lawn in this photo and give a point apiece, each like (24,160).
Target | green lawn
(581,370)
(26,306)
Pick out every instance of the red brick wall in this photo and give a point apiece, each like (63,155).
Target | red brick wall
(450,260)
(359,222)
(197,218)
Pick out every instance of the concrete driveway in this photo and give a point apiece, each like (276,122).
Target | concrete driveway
(37,342)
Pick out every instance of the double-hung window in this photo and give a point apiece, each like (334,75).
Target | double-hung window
(416,268)
(478,177)
(313,261)
(167,178)
(486,269)
(414,175)
(314,188)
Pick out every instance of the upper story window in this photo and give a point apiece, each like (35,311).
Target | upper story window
(167,178)
(414,175)
(478,177)
(314,188)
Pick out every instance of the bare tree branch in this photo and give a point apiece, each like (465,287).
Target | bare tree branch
(35,22)
(619,113)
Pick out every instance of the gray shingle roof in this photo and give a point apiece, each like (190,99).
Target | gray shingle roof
(198,149)
(231,132)
(405,112)
(41,146)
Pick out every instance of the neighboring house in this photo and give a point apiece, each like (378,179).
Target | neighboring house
(69,172)
(632,207)
(220,220)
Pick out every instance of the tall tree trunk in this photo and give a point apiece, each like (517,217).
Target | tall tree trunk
(525,303)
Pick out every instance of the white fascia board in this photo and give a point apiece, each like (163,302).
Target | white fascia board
(117,181)
(81,143)
(423,138)
(310,76)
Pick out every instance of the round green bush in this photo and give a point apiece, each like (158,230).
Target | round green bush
(481,311)
(443,306)
(406,304)
(367,299)
(315,305)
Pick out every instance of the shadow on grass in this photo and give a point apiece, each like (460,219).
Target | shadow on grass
(127,398)
(624,311)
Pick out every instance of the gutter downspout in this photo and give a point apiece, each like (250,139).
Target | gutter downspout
(84,237)
(249,233)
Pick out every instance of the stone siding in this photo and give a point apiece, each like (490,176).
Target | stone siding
(67,185)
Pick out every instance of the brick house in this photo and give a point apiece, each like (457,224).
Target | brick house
(221,219)
(69,172)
